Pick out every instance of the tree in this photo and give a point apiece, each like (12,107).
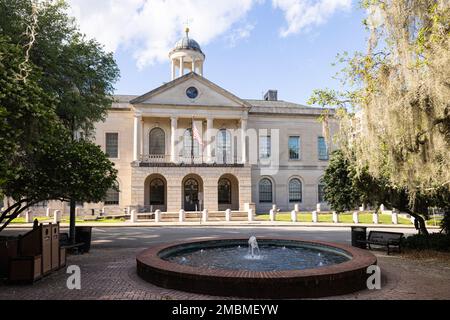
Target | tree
(58,168)
(395,112)
(72,71)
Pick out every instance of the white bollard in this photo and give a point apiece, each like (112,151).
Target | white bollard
(182,216)
(362,208)
(273,215)
(228,215)
(335,217)
(294,216)
(133,217)
(56,216)
(29,217)
(251,215)
(158,216)
(318,207)
(297,207)
(102,212)
(382,208)
(205,215)
(413,220)
(315,217)
(375,218)
(47,212)
(394,217)
(355,217)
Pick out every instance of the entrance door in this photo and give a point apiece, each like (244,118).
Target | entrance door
(191,202)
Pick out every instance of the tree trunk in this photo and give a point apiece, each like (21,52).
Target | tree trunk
(419,223)
(73,217)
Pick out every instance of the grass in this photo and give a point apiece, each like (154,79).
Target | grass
(21,220)
(364,218)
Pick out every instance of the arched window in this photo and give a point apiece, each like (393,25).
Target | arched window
(265,190)
(157,141)
(321,191)
(157,192)
(191,147)
(224,191)
(295,190)
(223,152)
(112,197)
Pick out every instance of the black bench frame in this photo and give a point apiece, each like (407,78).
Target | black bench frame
(65,244)
(395,242)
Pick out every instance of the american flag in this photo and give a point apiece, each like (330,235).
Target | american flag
(196,134)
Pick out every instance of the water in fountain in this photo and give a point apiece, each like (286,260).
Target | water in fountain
(252,245)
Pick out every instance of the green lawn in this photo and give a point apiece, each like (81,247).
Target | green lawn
(21,220)
(364,218)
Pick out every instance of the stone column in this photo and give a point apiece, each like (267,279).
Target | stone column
(355,217)
(251,213)
(181,66)
(141,147)
(193,65)
(158,216)
(228,215)
(243,140)
(182,216)
(137,128)
(209,129)
(173,138)
(133,218)
(315,217)
(205,215)
(201,69)
(294,216)
(335,217)
(174,70)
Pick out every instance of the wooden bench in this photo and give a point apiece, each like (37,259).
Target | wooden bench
(65,244)
(384,239)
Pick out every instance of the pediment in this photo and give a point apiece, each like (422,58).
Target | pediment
(174,93)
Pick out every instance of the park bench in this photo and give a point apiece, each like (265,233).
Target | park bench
(384,239)
(65,243)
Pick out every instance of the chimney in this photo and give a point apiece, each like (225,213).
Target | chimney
(271,95)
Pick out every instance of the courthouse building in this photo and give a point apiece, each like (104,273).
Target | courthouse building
(190,144)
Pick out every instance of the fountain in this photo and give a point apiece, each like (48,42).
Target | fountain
(252,245)
(257,268)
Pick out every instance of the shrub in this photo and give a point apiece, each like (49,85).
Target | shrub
(434,241)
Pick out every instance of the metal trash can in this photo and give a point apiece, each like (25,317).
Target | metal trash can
(84,235)
(359,233)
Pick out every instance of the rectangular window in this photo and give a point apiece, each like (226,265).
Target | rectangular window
(321,192)
(294,148)
(323,149)
(264,147)
(112,145)
(112,198)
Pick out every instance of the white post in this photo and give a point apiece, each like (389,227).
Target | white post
(297,207)
(228,215)
(158,216)
(243,140)
(56,216)
(382,208)
(182,216)
(394,217)
(173,138)
(133,217)
(205,215)
(47,212)
(375,218)
(294,216)
(29,216)
(315,217)
(413,220)
(102,211)
(318,207)
(356,217)
(274,207)
(273,215)
(335,217)
(136,136)
(362,208)
(209,134)
(193,65)
(250,215)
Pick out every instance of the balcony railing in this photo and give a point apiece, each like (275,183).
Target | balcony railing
(165,160)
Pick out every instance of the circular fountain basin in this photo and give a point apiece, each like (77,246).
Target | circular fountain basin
(282,268)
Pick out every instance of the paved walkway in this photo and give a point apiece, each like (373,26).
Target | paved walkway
(109,271)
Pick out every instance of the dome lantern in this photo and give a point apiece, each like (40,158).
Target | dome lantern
(186,56)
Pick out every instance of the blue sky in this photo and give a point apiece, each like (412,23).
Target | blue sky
(256,45)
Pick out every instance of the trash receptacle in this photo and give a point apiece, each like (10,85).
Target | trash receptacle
(84,235)
(359,233)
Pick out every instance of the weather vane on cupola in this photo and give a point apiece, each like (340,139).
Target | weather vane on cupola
(186,56)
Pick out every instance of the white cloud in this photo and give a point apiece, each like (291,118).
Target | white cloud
(150,28)
(301,15)
(240,33)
